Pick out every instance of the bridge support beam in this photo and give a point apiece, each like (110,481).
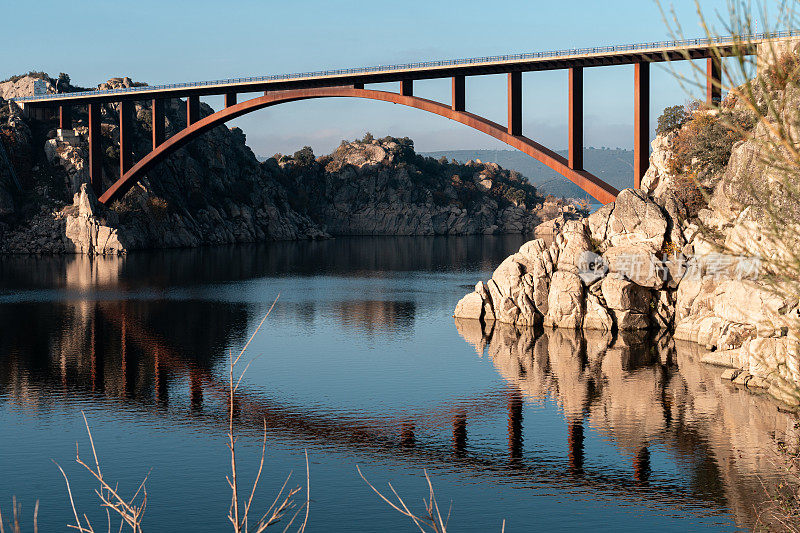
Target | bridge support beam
(230,99)
(713,81)
(95,149)
(407,87)
(358,86)
(192,110)
(641,122)
(159,135)
(64,117)
(576,118)
(458,102)
(125,136)
(515,103)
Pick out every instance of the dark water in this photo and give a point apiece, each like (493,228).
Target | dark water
(360,363)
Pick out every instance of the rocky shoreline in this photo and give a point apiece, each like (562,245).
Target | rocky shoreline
(648,262)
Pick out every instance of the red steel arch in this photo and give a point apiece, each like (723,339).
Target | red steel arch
(590,183)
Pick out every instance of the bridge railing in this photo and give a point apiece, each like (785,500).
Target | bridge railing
(430,64)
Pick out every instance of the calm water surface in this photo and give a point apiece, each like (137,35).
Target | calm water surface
(360,363)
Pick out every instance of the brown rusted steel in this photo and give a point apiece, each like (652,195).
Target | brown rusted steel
(593,185)
(230,99)
(125,136)
(192,110)
(95,148)
(641,122)
(65,117)
(713,81)
(458,101)
(576,118)
(515,103)
(158,126)
(407,87)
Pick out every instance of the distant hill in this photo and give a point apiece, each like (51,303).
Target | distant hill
(610,164)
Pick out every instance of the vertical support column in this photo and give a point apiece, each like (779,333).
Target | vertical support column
(515,103)
(358,85)
(192,110)
(407,87)
(459,102)
(64,117)
(576,118)
(95,149)
(158,123)
(713,81)
(515,425)
(641,122)
(125,136)
(230,99)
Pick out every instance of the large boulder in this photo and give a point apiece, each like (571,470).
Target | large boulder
(636,219)
(565,301)
(597,317)
(638,263)
(470,306)
(622,294)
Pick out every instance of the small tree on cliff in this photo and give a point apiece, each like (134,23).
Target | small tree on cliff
(672,119)
(305,156)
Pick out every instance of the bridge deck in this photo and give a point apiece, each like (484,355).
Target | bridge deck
(535,61)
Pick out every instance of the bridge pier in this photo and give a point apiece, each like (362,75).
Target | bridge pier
(515,103)
(159,135)
(641,122)
(192,110)
(230,99)
(576,118)
(458,86)
(65,117)
(713,81)
(125,136)
(407,87)
(95,148)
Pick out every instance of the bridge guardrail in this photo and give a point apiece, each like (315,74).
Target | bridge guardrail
(430,64)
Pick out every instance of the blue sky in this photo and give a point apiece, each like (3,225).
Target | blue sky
(172,41)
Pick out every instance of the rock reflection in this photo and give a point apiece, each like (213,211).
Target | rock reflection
(639,392)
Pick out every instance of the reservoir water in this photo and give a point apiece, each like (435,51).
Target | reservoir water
(359,363)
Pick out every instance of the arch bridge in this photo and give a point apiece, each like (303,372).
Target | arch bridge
(350,83)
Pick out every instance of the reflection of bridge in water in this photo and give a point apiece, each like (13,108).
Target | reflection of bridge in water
(109,351)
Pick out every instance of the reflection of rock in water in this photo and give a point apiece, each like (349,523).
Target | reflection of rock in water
(637,391)
(372,316)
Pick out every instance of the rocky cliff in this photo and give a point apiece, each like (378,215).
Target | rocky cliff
(382,187)
(669,258)
(215,191)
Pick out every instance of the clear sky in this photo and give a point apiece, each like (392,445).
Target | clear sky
(164,41)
